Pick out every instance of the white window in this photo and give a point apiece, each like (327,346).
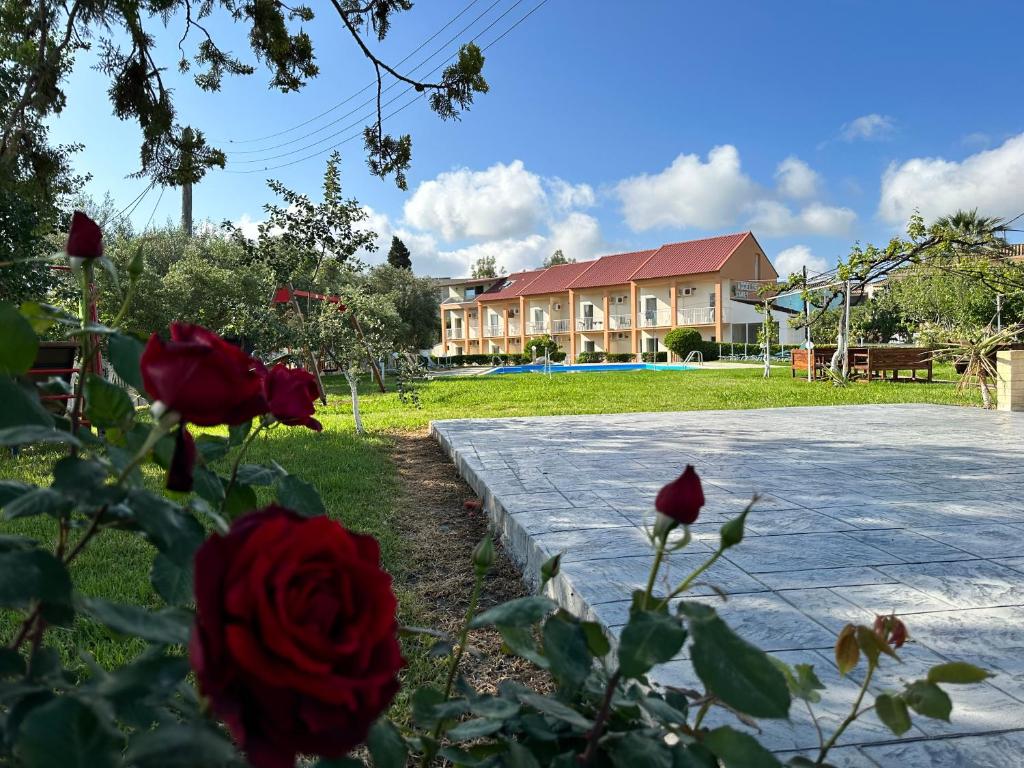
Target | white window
(538,315)
(588,346)
(588,311)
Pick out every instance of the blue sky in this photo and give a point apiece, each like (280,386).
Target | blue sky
(613,126)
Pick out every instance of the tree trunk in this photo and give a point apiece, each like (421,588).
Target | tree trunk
(353,386)
(986,396)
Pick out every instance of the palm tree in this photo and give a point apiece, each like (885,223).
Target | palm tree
(976,350)
(966,230)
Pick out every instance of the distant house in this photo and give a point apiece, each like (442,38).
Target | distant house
(620,303)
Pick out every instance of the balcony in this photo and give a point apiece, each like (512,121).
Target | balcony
(536,328)
(653,318)
(589,324)
(695,316)
(621,323)
(454,333)
(473,332)
(492,330)
(513,327)
(559,326)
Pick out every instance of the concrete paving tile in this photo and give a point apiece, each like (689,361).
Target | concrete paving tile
(910,546)
(965,584)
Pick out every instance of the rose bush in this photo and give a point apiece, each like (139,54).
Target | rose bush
(289,622)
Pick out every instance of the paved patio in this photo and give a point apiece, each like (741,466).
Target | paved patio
(866,509)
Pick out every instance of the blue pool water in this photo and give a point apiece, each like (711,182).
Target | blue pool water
(593,367)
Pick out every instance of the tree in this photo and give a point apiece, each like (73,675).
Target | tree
(367,329)
(415,301)
(682,341)
(539,346)
(486,266)
(39,42)
(398,255)
(557,258)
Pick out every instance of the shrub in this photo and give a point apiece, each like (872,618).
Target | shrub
(654,357)
(536,347)
(557,357)
(619,357)
(590,357)
(683,341)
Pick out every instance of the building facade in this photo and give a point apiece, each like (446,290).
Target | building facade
(623,303)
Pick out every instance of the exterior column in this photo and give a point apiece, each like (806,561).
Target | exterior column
(480,328)
(674,303)
(444,333)
(634,323)
(551,314)
(522,325)
(607,325)
(719,311)
(572,326)
(504,319)
(465,329)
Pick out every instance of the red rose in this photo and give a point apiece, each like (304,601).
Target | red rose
(891,630)
(291,393)
(202,377)
(295,642)
(682,498)
(85,239)
(183,460)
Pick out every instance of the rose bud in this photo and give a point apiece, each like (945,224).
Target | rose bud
(137,265)
(203,378)
(179,474)
(483,555)
(891,630)
(85,239)
(295,643)
(551,568)
(291,393)
(682,498)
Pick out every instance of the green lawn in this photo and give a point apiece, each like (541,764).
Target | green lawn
(357,480)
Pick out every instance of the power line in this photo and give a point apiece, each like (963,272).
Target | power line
(133,205)
(369,85)
(396,111)
(151,215)
(372,99)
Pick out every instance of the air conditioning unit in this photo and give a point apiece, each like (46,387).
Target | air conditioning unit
(620,299)
(688,291)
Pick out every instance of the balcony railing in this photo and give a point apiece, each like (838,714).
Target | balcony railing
(454,333)
(621,322)
(559,326)
(473,332)
(513,327)
(652,318)
(589,324)
(540,327)
(695,316)
(490,331)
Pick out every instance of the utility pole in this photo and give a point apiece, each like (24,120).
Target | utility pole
(187,175)
(807,331)
(999,311)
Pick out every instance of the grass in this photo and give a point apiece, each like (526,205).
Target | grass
(356,476)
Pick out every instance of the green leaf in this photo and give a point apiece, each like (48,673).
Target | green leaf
(386,745)
(106,404)
(424,703)
(847,650)
(556,709)
(171,581)
(35,434)
(12,489)
(33,575)
(739,673)
(928,699)
(639,749)
(693,756)
(22,407)
(519,756)
(521,612)
(475,729)
(648,639)
(171,625)
(67,733)
(20,344)
(38,501)
(597,640)
(240,499)
(238,433)
(16,543)
(803,683)
(73,474)
(208,486)
(257,474)
(493,707)
(171,530)
(299,496)
(125,352)
(872,645)
(739,750)
(39,316)
(153,676)
(211,447)
(520,641)
(661,710)
(957,673)
(565,646)
(180,745)
(892,711)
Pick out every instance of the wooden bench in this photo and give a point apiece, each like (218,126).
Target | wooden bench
(798,361)
(878,361)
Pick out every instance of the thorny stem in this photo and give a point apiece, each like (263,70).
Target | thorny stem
(688,581)
(238,462)
(854,713)
(602,716)
(85,358)
(701,713)
(453,666)
(128,296)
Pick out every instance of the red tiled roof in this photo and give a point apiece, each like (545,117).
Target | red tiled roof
(690,258)
(557,278)
(511,287)
(611,270)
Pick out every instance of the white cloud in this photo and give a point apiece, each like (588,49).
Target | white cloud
(991,181)
(796,258)
(976,140)
(501,201)
(795,178)
(868,127)
(247,225)
(565,196)
(689,193)
(771,217)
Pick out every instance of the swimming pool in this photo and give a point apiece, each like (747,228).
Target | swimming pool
(593,368)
